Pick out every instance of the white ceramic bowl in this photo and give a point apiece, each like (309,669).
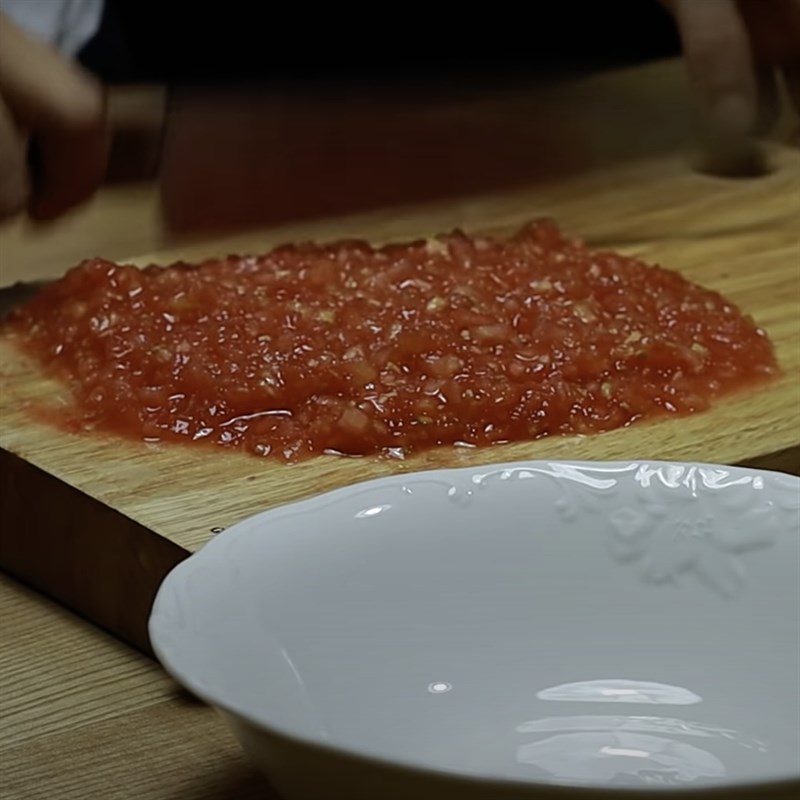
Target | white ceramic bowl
(505,631)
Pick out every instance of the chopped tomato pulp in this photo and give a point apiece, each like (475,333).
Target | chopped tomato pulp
(351,349)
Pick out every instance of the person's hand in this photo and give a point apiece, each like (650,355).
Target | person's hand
(51,118)
(733,51)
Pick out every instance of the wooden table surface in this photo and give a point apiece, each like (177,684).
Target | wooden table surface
(82,714)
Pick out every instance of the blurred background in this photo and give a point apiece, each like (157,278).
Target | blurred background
(250,42)
(291,111)
(233,115)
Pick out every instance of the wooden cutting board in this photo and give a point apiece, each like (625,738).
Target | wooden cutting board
(97,522)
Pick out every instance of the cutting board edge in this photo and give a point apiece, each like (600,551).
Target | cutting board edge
(116,586)
(112,589)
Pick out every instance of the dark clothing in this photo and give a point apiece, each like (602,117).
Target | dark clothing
(236,41)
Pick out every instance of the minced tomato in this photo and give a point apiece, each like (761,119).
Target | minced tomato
(347,348)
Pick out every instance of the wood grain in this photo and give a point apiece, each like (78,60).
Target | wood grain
(84,716)
(739,237)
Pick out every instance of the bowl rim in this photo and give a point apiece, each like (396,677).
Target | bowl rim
(240,528)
